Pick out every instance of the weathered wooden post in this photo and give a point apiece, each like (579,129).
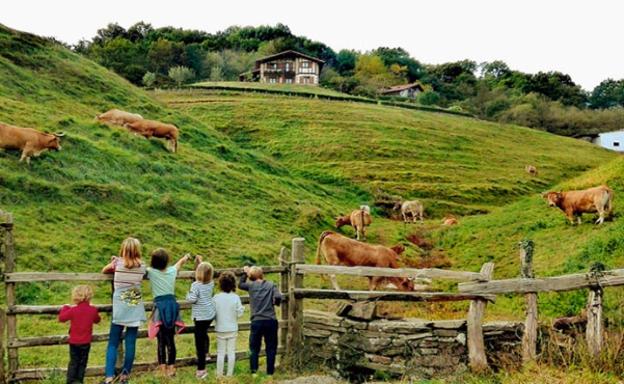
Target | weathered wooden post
(6,221)
(2,344)
(529,338)
(295,305)
(476,345)
(594,322)
(284,275)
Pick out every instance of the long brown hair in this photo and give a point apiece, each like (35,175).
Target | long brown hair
(130,252)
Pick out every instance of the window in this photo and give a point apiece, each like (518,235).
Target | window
(272,80)
(305,64)
(273,65)
(616,143)
(289,81)
(287,66)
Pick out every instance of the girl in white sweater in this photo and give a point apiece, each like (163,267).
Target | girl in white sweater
(229,308)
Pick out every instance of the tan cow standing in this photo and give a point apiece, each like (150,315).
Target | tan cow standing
(118,117)
(575,203)
(413,208)
(340,250)
(30,141)
(359,220)
(153,128)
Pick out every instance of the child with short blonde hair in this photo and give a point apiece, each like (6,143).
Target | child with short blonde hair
(202,311)
(81,316)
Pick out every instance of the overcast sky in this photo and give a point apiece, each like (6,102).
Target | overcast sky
(581,38)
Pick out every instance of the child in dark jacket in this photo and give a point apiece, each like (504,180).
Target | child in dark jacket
(81,316)
(263,296)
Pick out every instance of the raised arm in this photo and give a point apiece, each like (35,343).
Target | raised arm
(182,260)
(239,307)
(193,294)
(243,284)
(110,267)
(65,313)
(198,260)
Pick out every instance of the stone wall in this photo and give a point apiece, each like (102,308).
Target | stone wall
(412,347)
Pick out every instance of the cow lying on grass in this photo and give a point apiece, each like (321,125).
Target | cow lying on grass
(340,250)
(575,203)
(118,117)
(359,220)
(30,141)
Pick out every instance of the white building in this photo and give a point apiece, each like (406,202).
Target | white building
(611,140)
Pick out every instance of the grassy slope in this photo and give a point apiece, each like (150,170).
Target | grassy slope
(294,88)
(453,163)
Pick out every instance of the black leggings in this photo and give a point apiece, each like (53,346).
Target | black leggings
(166,346)
(202,342)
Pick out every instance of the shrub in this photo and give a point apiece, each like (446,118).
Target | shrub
(181,74)
(149,79)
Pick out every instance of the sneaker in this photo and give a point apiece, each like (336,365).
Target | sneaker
(201,374)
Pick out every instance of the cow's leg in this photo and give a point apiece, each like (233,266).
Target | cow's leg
(363,232)
(601,215)
(578,219)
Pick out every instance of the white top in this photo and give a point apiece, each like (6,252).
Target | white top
(229,309)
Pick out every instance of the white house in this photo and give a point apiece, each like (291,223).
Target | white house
(611,140)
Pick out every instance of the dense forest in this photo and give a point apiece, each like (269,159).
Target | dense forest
(550,101)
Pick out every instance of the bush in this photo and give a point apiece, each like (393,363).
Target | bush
(429,98)
(181,74)
(149,79)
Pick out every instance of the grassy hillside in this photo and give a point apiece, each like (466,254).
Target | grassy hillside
(455,164)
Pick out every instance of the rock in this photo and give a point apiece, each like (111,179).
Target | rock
(323,318)
(449,324)
(400,326)
(508,326)
(428,351)
(365,310)
(348,323)
(446,332)
(312,332)
(378,359)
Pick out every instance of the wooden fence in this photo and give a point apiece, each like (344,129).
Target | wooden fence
(476,287)
(9,317)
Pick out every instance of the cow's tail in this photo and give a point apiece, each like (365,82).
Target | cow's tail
(318,248)
(609,202)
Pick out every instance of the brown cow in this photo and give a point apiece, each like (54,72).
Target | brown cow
(531,170)
(118,117)
(340,250)
(358,219)
(149,128)
(575,203)
(30,141)
(449,221)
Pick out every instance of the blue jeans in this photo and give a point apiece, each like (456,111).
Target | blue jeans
(113,343)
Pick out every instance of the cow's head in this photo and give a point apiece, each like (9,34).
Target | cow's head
(342,220)
(54,141)
(398,249)
(553,198)
(397,205)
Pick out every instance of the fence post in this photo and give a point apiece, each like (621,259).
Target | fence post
(2,345)
(283,260)
(594,322)
(476,346)
(295,306)
(6,221)
(529,338)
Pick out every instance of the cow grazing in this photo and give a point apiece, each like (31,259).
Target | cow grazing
(413,209)
(118,117)
(30,141)
(359,220)
(531,170)
(575,203)
(149,128)
(340,250)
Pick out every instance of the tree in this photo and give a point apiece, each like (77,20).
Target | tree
(149,79)
(399,56)
(608,94)
(345,61)
(216,74)
(181,74)
(429,98)
(163,54)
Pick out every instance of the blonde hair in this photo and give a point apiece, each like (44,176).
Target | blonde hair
(204,272)
(82,293)
(255,273)
(130,252)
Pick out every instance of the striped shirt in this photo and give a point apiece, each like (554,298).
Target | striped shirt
(127,277)
(200,295)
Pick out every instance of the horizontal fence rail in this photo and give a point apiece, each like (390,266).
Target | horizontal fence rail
(39,341)
(563,283)
(308,293)
(424,273)
(43,373)
(28,277)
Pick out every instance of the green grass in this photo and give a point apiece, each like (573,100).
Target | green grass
(295,89)
(255,170)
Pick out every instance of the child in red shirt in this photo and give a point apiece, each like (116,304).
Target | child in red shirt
(82,316)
